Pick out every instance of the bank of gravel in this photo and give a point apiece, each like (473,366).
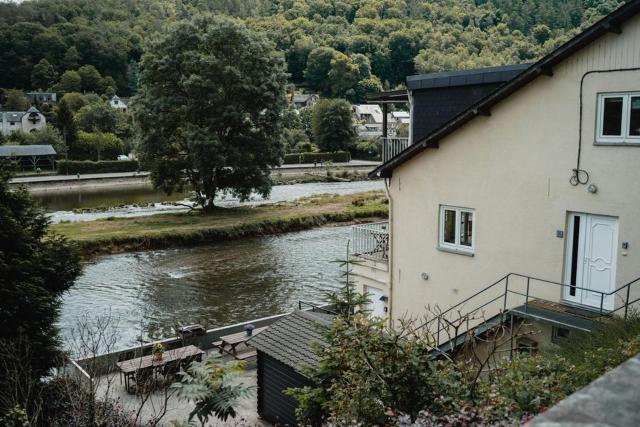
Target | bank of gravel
(187,229)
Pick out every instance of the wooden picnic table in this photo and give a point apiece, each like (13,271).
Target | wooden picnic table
(129,368)
(232,341)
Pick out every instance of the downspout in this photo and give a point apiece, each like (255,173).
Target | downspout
(387,182)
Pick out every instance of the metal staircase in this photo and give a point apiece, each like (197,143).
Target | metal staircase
(525,297)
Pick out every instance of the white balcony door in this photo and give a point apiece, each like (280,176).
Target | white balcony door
(377,304)
(592,242)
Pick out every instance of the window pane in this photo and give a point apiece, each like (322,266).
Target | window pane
(466,228)
(612,117)
(634,116)
(449,232)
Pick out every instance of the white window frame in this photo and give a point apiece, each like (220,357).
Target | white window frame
(457,247)
(625,138)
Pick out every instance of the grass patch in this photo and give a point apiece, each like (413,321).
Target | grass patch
(183,229)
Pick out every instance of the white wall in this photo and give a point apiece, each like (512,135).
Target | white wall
(513,168)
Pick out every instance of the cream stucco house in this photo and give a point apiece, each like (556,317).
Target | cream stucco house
(527,201)
(25,121)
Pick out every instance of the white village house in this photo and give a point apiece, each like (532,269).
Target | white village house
(367,120)
(526,200)
(301,101)
(119,103)
(25,121)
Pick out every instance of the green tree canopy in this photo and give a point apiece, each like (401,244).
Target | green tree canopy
(43,75)
(318,67)
(70,81)
(97,116)
(90,78)
(209,108)
(16,101)
(333,125)
(36,267)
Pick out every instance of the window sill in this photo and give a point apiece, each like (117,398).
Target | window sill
(618,143)
(455,251)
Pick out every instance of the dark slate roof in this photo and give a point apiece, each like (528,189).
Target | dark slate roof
(544,67)
(301,97)
(12,116)
(291,339)
(466,77)
(26,150)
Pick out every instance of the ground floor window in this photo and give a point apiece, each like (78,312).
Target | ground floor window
(457,229)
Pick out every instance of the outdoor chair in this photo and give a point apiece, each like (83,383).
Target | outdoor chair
(145,380)
(170,370)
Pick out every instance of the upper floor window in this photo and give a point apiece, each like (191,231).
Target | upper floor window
(619,118)
(457,231)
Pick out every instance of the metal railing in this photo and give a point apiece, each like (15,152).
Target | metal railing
(515,290)
(391,147)
(371,240)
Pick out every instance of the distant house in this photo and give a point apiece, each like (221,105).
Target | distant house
(284,349)
(367,119)
(42,97)
(30,157)
(25,121)
(304,100)
(395,119)
(121,104)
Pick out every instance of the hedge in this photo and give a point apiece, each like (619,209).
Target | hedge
(338,157)
(103,166)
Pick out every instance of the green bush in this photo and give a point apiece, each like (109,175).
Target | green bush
(88,166)
(337,157)
(96,146)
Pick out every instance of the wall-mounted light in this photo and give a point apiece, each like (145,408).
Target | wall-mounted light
(425,276)
(384,298)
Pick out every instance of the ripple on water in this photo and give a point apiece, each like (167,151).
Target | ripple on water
(152,292)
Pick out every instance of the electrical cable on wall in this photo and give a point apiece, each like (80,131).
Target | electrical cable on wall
(581,176)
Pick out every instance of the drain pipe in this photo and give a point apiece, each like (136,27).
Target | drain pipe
(387,183)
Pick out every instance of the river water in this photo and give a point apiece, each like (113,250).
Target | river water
(150,293)
(126,202)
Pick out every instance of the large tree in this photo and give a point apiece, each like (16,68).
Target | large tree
(36,267)
(43,75)
(333,125)
(209,108)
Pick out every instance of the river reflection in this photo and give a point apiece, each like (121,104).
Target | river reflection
(215,285)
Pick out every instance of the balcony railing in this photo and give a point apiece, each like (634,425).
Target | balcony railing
(391,147)
(371,240)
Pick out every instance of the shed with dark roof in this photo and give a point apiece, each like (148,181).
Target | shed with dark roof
(29,156)
(284,349)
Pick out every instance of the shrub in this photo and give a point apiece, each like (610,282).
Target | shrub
(337,157)
(104,166)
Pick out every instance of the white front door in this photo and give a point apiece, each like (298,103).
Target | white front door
(377,304)
(590,265)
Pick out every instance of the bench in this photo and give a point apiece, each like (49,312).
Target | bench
(246,355)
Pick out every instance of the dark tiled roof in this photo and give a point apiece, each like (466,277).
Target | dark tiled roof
(292,339)
(12,116)
(26,150)
(544,67)
(465,77)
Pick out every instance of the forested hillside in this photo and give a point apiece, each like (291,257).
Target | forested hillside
(373,43)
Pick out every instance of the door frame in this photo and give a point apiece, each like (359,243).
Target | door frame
(575,253)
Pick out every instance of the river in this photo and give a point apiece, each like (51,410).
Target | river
(132,202)
(150,293)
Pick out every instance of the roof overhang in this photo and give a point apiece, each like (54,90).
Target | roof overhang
(389,97)
(544,67)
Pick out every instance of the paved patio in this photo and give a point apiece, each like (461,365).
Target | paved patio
(154,404)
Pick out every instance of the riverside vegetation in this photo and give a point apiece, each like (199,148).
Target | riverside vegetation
(181,229)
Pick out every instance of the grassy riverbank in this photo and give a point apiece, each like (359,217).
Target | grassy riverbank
(183,229)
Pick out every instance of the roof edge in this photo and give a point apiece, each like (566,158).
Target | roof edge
(544,66)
